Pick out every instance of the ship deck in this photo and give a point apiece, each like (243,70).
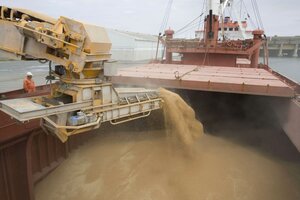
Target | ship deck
(254,81)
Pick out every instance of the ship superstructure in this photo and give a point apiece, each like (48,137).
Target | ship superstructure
(230,30)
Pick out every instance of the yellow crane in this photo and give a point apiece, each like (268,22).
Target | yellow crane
(81,100)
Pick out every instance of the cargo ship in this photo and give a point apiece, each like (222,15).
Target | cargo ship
(226,65)
(209,70)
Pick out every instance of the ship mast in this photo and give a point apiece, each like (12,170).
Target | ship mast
(212,23)
(213,5)
(216,8)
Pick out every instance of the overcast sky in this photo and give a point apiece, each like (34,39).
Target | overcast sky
(145,16)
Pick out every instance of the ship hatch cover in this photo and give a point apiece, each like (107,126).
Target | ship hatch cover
(254,81)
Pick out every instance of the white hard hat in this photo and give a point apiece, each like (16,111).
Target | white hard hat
(29,74)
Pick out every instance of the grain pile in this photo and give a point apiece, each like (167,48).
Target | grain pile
(132,161)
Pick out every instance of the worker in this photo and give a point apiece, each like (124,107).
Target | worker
(28,83)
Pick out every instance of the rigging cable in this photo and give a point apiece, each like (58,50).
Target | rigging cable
(258,14)
(195,25)
(166,17)
(248,15)
(194,69)
(192,23)
(203,7)
(255,14)
(163,26)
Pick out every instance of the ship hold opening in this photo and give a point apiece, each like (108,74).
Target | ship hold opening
(243,147)
(254,121)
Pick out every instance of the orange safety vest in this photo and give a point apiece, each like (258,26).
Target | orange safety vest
(29,85)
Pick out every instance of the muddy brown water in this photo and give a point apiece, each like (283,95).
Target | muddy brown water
(235,159)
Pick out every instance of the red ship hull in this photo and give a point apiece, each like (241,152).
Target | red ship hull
(27,154)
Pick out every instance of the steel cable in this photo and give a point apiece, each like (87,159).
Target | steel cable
(166,16)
